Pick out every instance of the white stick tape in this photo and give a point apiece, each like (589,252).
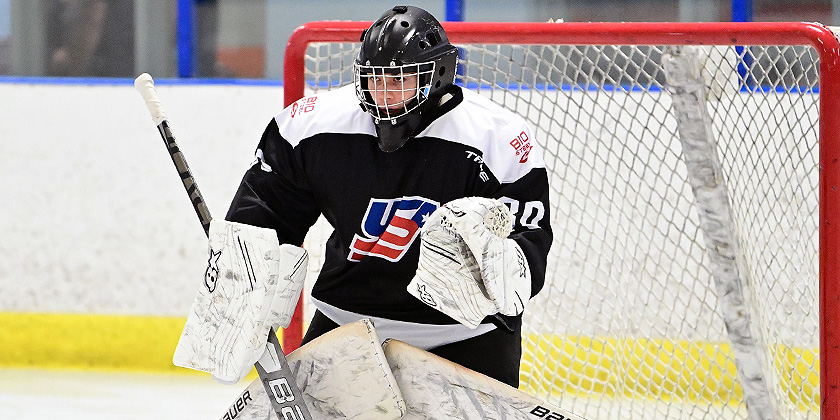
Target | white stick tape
(146,86)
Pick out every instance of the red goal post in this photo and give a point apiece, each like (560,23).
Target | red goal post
(814,36)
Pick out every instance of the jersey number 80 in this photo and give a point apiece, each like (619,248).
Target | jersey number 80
(532,212)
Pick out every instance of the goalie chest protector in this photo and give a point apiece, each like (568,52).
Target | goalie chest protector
(320,156)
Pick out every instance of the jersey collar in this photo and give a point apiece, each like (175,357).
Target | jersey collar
(450,99)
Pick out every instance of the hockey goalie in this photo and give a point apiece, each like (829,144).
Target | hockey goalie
(439,203)
(377,172)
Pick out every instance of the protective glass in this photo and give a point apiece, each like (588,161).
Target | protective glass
(388,93)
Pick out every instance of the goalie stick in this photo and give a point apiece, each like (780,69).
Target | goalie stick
(272,367)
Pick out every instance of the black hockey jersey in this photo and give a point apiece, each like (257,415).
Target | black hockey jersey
(320,155)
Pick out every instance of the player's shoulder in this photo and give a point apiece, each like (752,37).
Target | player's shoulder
(486,111)
(503,137)
(334,111)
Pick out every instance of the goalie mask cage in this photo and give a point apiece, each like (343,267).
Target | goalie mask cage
(694,181)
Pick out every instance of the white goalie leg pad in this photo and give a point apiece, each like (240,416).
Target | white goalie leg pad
(435,388)
(342,374)
(251,284)
(485,224)
(468,268)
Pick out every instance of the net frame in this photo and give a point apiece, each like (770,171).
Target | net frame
(725,33)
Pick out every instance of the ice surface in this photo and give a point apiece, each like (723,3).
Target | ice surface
(71,395)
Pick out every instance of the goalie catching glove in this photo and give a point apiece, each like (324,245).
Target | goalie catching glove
(468,268)
(252,283)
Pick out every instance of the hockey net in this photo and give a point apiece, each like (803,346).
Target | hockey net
(684,277)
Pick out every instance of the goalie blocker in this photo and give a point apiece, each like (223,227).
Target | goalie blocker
(251,284)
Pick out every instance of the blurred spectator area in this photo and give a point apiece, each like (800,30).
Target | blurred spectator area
(5,36)
(247,38)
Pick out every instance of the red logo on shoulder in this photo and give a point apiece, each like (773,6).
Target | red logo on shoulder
(522,145)
(303,106)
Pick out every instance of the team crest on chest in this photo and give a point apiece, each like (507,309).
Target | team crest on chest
(390,226)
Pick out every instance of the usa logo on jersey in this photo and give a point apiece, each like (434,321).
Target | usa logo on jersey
(390,227)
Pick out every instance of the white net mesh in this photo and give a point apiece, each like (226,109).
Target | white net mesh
(629,324)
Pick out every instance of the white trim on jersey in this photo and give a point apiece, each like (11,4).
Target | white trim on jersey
(424,336)
(504,137)
(335,111)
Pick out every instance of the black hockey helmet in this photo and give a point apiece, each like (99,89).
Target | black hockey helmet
(404,42)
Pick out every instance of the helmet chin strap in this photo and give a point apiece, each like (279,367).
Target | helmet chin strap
(393,136)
